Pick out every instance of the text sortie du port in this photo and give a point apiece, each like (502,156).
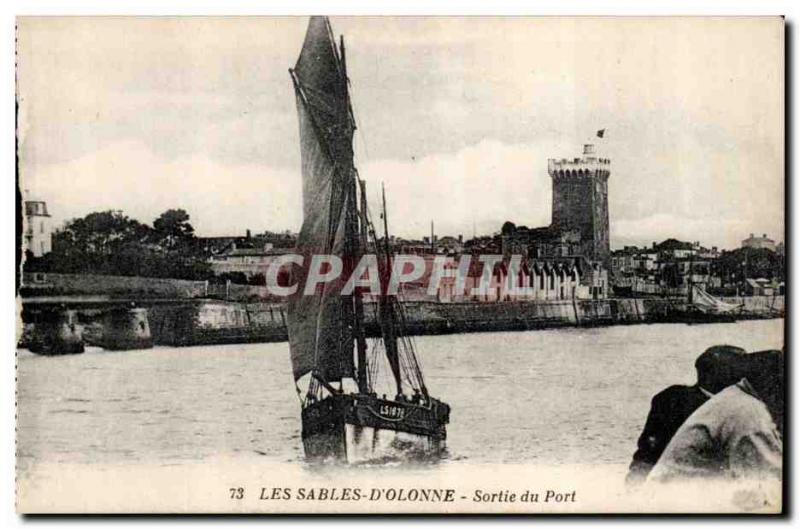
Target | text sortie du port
(414,495)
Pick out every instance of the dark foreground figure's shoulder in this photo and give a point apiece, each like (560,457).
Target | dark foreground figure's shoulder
(679,394)
(668,409)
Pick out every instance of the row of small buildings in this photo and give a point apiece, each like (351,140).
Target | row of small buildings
(671,266)
(519,277)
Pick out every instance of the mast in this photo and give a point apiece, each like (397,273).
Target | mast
(691,279)
(385,229)
(363,212)
(358,243)
(358,301)
(386,305)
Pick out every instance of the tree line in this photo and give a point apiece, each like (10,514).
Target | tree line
(749,263)
(110,242)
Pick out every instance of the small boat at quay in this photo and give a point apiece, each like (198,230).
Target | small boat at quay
(702,307)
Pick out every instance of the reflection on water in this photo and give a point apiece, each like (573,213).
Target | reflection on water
(566,396)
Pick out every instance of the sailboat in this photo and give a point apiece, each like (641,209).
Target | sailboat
(702,307)
(336,371)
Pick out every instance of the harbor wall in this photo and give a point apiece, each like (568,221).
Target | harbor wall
(217,322)
(242,314)
(758,304)
(124,329)
(135,287)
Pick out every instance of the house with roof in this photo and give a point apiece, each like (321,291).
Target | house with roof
(763,287)
(248,258)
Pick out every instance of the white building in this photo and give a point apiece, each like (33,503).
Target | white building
(759,242)
(249,261)
(38,228)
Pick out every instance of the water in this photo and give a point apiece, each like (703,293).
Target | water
(567,396)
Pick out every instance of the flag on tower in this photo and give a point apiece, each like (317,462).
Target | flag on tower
(600,133)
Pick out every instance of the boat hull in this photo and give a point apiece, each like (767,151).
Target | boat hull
(698,317)
(364,428)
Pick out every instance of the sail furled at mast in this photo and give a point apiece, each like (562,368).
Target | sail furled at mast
(320,325)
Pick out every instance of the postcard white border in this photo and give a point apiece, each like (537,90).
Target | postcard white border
(9,10)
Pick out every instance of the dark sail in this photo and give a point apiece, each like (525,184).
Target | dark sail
(320,325)
(321,82)
(325,326)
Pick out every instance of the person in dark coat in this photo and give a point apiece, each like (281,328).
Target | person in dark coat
(764,370)
(717,367)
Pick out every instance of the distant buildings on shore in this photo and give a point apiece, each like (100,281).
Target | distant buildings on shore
(248,255)
(671,266)
(569,258)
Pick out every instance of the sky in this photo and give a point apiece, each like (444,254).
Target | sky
(456,116)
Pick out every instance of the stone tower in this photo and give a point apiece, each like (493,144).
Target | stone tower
(580,200)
